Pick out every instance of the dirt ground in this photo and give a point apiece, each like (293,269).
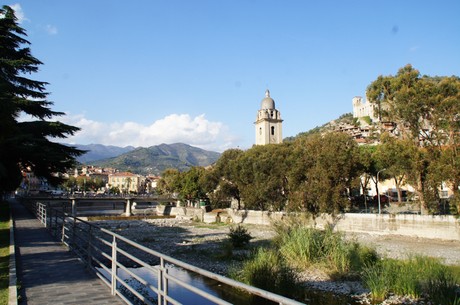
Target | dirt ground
(397,246)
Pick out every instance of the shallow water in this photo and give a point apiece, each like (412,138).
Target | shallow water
(222,291)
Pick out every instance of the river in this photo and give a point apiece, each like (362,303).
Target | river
(217,289)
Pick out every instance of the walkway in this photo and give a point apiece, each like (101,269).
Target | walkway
(47,272)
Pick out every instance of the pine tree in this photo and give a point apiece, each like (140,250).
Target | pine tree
(27,145)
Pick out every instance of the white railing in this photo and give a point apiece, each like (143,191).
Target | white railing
(108,253)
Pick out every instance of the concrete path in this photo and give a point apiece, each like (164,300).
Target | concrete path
(47,272)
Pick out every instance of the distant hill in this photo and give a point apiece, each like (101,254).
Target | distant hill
(100,152)
(155,159)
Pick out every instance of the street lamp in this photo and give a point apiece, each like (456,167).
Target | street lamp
(378,194)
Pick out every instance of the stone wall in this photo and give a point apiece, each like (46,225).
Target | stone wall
(181,212)
(254,217)
(441,227)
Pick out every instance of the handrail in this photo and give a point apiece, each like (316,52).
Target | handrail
(88,242)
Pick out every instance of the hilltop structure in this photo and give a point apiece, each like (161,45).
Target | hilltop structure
(268,122)
(363,109)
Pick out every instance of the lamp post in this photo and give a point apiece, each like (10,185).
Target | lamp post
(378,194)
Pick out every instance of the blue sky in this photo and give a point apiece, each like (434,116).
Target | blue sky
(148,72)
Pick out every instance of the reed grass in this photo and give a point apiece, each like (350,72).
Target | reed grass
(267,270)
(415,277)
(304,247)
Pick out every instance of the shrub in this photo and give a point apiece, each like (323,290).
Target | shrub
(239,236)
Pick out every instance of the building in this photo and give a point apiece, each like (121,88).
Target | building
(268,123)
(125,182)
(363,109)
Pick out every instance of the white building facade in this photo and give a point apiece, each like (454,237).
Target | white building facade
(363,108)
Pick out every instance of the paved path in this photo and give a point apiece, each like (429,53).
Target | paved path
(47,272)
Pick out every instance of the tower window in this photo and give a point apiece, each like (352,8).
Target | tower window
(260,131)
(273,130)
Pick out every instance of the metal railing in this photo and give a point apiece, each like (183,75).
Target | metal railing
(108,254)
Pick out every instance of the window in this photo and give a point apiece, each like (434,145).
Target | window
(273,130)
(260,130)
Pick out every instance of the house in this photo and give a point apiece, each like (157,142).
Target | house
(126,182)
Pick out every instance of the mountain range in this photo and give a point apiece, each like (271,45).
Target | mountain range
(147,161)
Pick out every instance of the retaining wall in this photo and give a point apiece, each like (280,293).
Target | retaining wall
(425,226)
(180,212)
(441,227)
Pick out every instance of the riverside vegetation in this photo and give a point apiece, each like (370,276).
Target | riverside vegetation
(296,247)
(4,251)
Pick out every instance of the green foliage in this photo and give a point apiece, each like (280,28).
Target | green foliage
(304,247)
(239,236)
(378,280)
(27,145)
(414,277)
(267,270)
(320,163)
(367,119)
(425,110)
(4,251)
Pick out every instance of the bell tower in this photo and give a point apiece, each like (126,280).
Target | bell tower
(268,122)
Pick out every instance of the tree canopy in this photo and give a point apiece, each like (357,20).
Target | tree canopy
(426,114)
(27,145)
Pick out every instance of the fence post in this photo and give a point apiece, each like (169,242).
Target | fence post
(56,223)
(74,228)
(165,286)
(114,266)
(90,233)
(63,229)
(160,282)
(74,206)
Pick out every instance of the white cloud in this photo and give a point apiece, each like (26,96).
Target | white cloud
(174,128)
(51,29)
(18,12)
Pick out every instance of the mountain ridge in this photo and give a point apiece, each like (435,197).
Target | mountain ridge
(155,159)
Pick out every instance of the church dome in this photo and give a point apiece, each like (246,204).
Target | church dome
(267,102)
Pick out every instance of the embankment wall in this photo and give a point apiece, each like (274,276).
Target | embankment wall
(425,226)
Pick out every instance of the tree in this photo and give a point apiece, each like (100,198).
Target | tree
(192,184)
(27,145)
(425,111)
(226,171)
(262,178)
(169,182)
(322,171)
(367,166)
(395,155)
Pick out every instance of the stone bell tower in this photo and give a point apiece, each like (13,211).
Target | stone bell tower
(268,122)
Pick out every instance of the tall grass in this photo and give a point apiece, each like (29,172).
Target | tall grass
(267,270)
(415,277)
(4,251)
(304,247)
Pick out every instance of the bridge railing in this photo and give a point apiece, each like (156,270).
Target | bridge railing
(111,255)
